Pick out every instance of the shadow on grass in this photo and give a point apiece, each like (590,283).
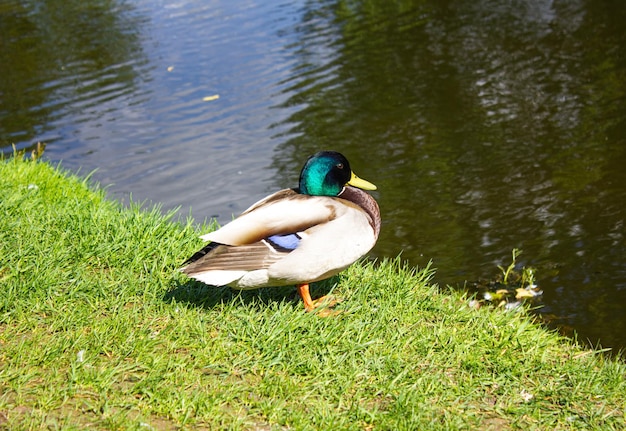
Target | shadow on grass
(197,294)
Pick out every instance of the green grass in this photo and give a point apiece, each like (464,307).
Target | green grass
(99,331)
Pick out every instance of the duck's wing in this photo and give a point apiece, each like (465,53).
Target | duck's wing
(284,212)
(214,256)
(262,236)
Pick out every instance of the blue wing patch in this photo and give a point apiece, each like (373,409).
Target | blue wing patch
(287,242)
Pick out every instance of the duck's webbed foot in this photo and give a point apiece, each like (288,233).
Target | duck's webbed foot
(322,306)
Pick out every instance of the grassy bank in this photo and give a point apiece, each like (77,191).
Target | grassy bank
(99,331)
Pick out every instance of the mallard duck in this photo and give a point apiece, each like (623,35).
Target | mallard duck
(294,236)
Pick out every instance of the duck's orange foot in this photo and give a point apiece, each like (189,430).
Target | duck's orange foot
(321,306)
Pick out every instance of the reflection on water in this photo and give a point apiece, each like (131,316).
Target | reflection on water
(127,96)
(64,58)
(486,125)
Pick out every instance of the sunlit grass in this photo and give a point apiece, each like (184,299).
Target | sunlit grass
(98,330)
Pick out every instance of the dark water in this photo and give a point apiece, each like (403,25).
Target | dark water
(487,125)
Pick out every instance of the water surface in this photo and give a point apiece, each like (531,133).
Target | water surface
(487,125)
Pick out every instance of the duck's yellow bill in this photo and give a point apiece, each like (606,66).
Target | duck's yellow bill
(361,183)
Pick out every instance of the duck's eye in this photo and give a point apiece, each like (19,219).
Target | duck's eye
(340,165)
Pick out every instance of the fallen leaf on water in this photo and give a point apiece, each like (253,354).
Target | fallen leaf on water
(523,293)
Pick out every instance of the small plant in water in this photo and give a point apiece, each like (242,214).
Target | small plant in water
(506,272)
(509,288)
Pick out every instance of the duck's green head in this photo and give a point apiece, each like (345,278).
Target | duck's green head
(326,174)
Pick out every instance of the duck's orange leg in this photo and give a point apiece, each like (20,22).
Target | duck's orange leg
(303,290)
(311,305)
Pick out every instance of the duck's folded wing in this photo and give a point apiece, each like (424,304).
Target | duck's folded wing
(281,213)
(217,258)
